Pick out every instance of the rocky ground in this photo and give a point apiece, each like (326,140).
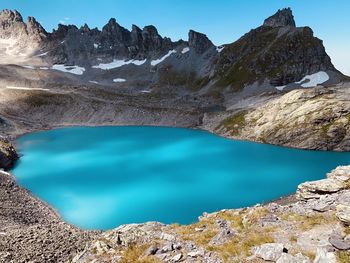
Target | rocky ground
(31,231)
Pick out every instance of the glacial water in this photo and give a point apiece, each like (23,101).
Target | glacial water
(100,178)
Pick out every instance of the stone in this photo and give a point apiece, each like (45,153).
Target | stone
(152,250)
(8,154)
(167,248)
(339,243)
(298,258)
(269,251)
(341,173)
(315,189)
(176,258)
(195,254)
(343,213)
(323,256)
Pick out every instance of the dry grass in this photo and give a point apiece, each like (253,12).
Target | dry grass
(343,256)
(135,254)
(241,246)
(201,238)
(307,222)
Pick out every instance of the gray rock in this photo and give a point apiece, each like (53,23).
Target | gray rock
(8,154)
(282,18)
(339,243)
(269,251)
(176,258)
(316,189)
(323,256)
(343,213)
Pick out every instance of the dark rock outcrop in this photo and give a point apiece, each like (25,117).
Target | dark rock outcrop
(199,42)
(282,18)
(8,154)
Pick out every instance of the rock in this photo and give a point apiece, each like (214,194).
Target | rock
(269,251)
(323,256)
(167,237)
(338,242)
(167,248)
(199,42)
(316,189)
(223,236)
(8,154)
(152,250)
(176,258)
(343,213)
(282,18)
(298,258)
(195,254)
(341,173)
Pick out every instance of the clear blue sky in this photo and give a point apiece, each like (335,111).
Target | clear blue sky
(222,20)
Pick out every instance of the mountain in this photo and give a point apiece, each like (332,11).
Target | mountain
(276,54)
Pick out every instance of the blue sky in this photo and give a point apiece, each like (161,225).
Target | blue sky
(224,21)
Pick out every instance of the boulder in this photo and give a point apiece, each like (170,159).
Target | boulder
(315,189)
(343,214)
(338,242)
(323,256)
(269,251)
(341,173)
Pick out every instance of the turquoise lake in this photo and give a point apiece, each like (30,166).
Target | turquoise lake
(100,178)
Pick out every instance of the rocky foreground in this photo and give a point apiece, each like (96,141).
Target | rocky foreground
(311,226)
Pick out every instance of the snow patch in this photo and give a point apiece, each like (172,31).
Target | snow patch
(24,88)
(314,79)
(185,50)
(119,63)
(69,69)
(119,80)
(43,54)
(281,87)
(220,48)
(30,67)
(95,45)
(157,61)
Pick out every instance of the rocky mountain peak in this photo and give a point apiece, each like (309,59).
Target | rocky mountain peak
(199,42)
(34,28)
(10,15)
(283,17)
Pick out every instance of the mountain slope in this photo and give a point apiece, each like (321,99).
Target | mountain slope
(275,54)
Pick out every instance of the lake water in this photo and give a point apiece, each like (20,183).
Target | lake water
(100,178)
